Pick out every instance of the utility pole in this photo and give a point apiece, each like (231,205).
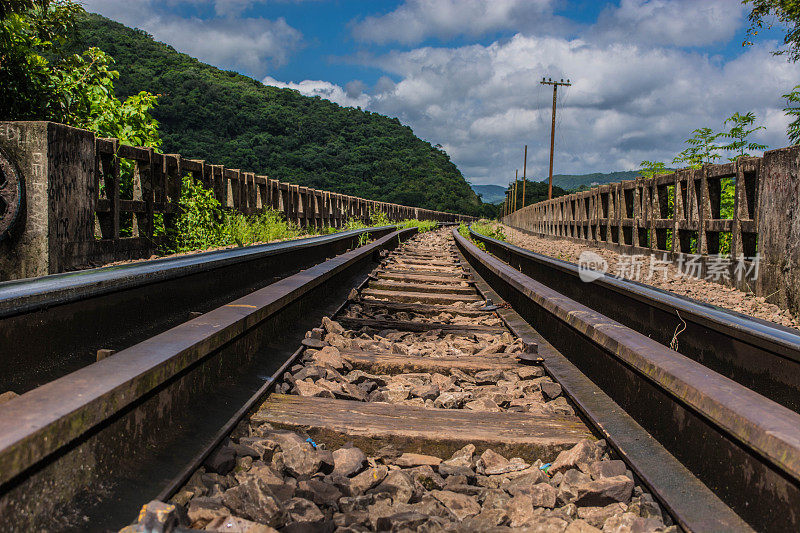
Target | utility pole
(555,85)
(516,185)
(524,177)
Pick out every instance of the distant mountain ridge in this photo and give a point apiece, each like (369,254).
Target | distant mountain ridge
(573,181)
(230,119)
(490,194)
(493,194)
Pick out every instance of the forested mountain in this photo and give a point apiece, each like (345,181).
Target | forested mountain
(227,118)
(491,194)
(573,181)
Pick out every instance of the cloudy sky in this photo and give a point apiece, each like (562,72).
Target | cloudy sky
(465,73)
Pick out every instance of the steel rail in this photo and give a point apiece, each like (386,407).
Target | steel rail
(84,433)
(740,444)
(86,310)
(762,356)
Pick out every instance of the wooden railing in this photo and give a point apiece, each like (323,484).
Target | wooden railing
(91,200)
(681,213)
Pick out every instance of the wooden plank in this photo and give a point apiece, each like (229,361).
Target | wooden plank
(424,257)
(420,287)
(389,363)
(404,325)
(438,432)
(425,263)
(444,280)
(455,275)
(419,269)
(428,309)
(422,297)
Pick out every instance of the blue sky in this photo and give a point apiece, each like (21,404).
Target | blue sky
(464,73)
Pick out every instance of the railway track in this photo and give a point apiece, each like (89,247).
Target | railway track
(449,391)
(56,324)
(416,409)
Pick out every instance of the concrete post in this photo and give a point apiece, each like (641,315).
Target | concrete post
(779,227)
(57,164)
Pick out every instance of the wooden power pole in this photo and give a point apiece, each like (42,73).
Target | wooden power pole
(555,85)
(516,182)
(524,176)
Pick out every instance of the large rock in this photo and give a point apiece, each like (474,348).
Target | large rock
(426,477)
(488,377)
(302,510)
(604,491)
(328,356)
(398,484)
(319,492)
(462,457)
(486,405)
(357,377)
(405,521)
(613,468)
(366,480)
(485,520)
(202,511)
(541,494)
(348,461)
(581,526)
(254,500)
(222,460)
(560,406)
(394,392)
(332,326)
(529,372)
(309,389)
(297,456)
(451,400)
(551,389)
(630,523)
(584,452)
(233,524)
(522,512)
(460,505)
(492,463)
(597,516)
(425,391)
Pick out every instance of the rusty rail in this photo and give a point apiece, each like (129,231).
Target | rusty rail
(89,430)
(761,355)
(112,308)
(741,445)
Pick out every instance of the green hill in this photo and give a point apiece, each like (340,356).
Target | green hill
(491,194)
(573,181)
(227,118)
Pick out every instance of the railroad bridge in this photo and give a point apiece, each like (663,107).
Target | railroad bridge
(437,380)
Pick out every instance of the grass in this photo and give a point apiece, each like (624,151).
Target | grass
(489,229)
(421,225)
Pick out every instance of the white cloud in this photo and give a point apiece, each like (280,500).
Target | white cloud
(250,45)
(671,22)
(416,20)
(323,89)
(627,102)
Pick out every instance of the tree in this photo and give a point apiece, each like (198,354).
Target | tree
(701,150)
(41,81)
(739,133)
(651,168)
(793,129)
(29,31)
(787,13)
